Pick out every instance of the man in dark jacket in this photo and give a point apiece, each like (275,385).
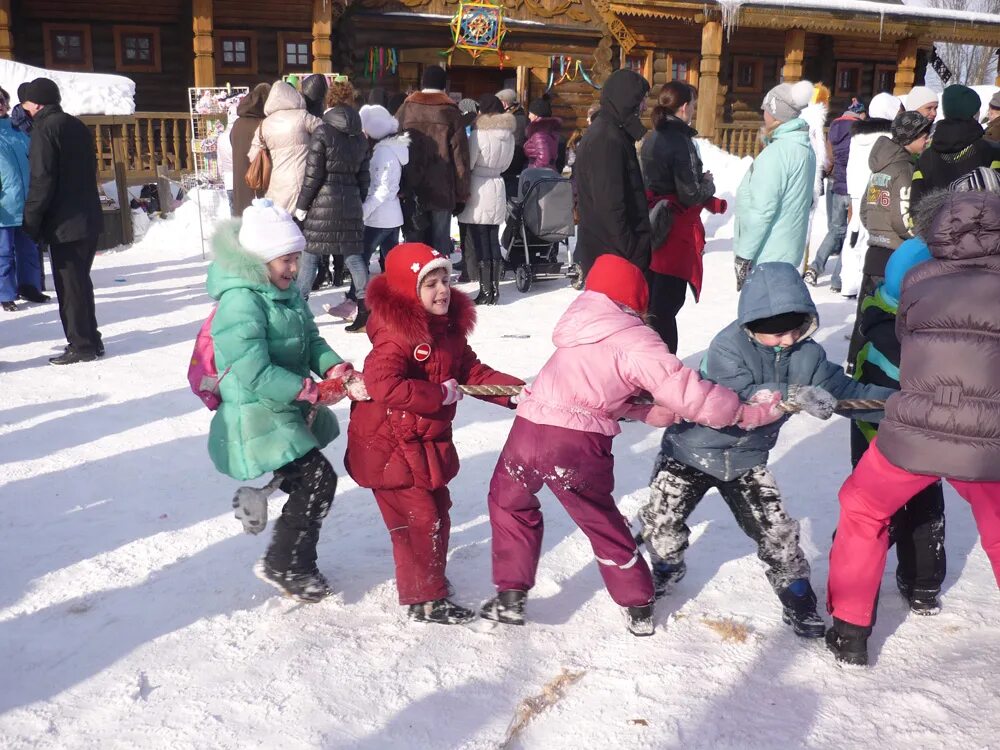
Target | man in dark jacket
(250,113)
(958,146)
(436,181)
(512,175)
(611,197)
(63,209)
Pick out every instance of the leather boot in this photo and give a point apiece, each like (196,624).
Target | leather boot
(495,271)
(360,319)
(485,296)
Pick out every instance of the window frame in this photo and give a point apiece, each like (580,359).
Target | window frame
(879,70)
(647,62)
(222,35)
(122,64)
(285,37)
(86,46)
(757,87)
(693,64)
(842,66)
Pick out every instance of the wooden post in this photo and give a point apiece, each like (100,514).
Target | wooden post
(164,190)
(795,50)
(906,64)
(708,80)
(6,32)
(120,158)
(204,44)
(322,29)
(522,83)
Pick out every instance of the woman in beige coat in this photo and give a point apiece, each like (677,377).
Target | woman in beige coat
(286,132)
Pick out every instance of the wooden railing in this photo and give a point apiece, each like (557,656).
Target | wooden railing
(739,140)
(143,141)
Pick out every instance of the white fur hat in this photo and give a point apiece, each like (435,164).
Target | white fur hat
(377,122)
(268,231)
(884,107)
(918,97)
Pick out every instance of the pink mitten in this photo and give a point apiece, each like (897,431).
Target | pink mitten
(341,371)
(310,391)
(660,416)
(762,409)
(450,392)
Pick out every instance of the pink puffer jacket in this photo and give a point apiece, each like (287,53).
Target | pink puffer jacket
(605,356)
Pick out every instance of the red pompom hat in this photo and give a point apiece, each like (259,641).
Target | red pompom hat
(615,277)
(408,263)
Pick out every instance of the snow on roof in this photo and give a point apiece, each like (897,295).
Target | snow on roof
(82,93)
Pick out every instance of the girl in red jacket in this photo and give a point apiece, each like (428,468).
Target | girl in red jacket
(399,444)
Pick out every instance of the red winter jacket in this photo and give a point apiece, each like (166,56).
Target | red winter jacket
(402,437)
(542,145)
(680,255)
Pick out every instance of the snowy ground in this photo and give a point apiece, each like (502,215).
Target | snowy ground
(129,616)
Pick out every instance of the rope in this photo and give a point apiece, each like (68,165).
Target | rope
(490,390)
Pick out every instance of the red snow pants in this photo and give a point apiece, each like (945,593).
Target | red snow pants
(579,469)
(419,526)
(868,499)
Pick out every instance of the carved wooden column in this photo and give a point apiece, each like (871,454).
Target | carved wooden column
(795,51)
(906,64)
(322,29)
(6,32)
(708,78)
(204,44)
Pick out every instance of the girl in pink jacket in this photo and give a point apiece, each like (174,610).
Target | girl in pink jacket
(562,434)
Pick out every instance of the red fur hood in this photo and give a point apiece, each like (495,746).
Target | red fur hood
(403,318)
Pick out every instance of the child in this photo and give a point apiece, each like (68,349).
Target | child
(917,529)
(563,431)
(266,344)
(399,444)
(768,348)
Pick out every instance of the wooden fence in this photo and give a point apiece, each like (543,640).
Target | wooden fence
(739,140)
(143,141)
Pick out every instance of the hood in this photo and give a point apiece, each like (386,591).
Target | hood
(841,130)
(343,118)
(815,115)
(314,90)
(621,97)
(503,121)
(927,210)
(874,125)
(951,135)
(966,226)
(283,96)
(909,254)
(399,145)
(773,289)
(548,124)
(793,130)
(403,318)
(592,317)
(431,98)
(235,268)
(885,152)
(377,122)
(253,103)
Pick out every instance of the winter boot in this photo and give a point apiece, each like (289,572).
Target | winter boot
(666,575)
(485,296)
(338,270)
(849,643)
(9,307)
(308,587)
(495,273)
(506,607)
(639,620)
(799,609)
(360,319)
(440,611)
(810,276)
(31,294)
(922,601)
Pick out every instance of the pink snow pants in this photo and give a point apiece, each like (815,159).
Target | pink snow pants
(869,497)
(579,469)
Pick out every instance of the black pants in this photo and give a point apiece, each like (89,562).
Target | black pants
(753,498)
(916,529)
(486,238)
(876,258)
(666,298)
(469,255)
(311,484)
(71,264)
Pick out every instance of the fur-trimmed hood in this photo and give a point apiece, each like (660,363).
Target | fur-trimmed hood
(502,121)
(235,268)
(431,98)
(404,319)
(871,125)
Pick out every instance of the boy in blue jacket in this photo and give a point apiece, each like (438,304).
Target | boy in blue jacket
(768,348)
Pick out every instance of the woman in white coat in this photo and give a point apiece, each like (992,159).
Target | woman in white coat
(491,150)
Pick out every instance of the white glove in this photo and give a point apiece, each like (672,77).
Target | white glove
(450,392)
(300,214)
(812,400)
(251,509)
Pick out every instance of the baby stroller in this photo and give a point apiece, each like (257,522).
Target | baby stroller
(539,220)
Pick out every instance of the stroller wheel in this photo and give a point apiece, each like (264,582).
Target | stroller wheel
(522,278)
(575,276)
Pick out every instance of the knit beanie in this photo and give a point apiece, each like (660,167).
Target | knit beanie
(407,264)
(434,77)
(490,105)
(787,100)
(918,97)
(960,102)
(903,258)
(995,101)
(978,180)
(619,280)
(507,96)
(468,106)
(377,122)
(884,107)
(789,321)
(268,231)
(42,91)
(908,126)
(541,107)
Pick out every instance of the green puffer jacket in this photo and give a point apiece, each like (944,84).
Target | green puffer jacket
(269,342)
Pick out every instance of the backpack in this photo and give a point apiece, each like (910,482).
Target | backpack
(202,373)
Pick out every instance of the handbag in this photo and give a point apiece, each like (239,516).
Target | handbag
(258,175)
(661,221)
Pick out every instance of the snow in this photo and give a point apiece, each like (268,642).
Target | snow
(129,616)
(82,93)
(731,8)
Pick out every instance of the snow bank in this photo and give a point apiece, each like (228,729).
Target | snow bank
(728,171)
(82,93)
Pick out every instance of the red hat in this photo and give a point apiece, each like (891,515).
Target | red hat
(618,279)
(408,263)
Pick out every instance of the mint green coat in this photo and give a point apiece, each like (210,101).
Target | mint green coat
(775,198)
(269,342)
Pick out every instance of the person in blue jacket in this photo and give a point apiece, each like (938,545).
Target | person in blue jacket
(775,199)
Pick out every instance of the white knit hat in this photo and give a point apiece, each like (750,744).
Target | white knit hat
(884,107)
(377,122)
(268,231)
(918,97)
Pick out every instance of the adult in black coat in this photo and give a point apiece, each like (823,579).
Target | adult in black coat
(251,115)
(611,197)
(314,90)
(63,209)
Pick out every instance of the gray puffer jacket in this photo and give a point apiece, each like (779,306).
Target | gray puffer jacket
(738,361)
(945,420)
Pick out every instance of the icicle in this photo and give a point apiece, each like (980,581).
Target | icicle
(730,10)
(881,22)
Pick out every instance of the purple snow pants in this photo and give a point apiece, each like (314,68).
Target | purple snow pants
(579,469)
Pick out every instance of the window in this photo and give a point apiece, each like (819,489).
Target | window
(295,51)
(848,79)
(67,46)
(236,51)
(748,75)
(641,63)
(885,79)
(137,49)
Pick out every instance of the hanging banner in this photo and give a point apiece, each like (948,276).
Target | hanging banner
(478,28)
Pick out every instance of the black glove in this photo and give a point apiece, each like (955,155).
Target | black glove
(854,238)
(459,207)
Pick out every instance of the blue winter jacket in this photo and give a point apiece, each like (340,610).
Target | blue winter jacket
(736,360)
(14,174)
